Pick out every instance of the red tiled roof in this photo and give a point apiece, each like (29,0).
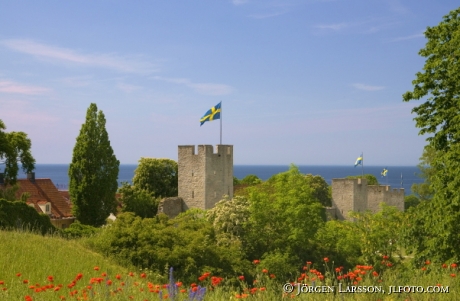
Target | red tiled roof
(42,191)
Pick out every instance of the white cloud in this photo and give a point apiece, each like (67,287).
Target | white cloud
(239,2)
(334,27)
(202,88)
(7,86)
(128,88)
(396,6)
(110,61)
(267,15)
(414,36)
(21,115)
(367,87)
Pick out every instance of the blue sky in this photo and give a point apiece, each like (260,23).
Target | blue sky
(306,82)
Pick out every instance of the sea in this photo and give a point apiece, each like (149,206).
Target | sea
(397,176)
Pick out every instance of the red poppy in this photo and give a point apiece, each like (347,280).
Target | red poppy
(256,261)
(265,271)
(143,275)
(326,259)
(241,278)
(96,268)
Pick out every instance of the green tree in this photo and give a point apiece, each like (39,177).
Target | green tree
(424,191)
(371,179)
(228,218)
(157,176)
(320,189)
(14,148)
(434,232)
(138,201)
(379,233)
(93,172)
(251,180)
(410,201)
(284,216)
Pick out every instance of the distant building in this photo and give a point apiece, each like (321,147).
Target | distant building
(45,198)
(355,195)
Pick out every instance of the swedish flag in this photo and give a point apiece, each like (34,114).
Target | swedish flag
(384,172)
(359,161)
(212,114)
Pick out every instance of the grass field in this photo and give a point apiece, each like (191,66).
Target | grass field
(35,267)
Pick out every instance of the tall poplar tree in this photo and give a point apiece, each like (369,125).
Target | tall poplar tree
(93,172)
(434,231)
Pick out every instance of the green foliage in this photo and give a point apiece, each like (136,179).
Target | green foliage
(410,201)
(14,147)
(424,191)
(320,189)
(338,241)
(379,233)
(281,265)
(19,215)
(371,179)
(228,218)
(284,216)
(93,172)
(77,230)
(251,180)
(138,201)
(157,176)
(236,181)
(8,192)
(186,243)
(435,232)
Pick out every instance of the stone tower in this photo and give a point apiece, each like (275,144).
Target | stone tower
(205,177)
(356,195)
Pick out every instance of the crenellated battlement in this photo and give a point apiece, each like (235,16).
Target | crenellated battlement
(205,175)
(355,195)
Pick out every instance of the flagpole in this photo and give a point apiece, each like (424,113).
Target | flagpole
(362,165)
(221,122)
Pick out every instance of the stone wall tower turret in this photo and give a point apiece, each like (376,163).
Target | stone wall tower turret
(205,177)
